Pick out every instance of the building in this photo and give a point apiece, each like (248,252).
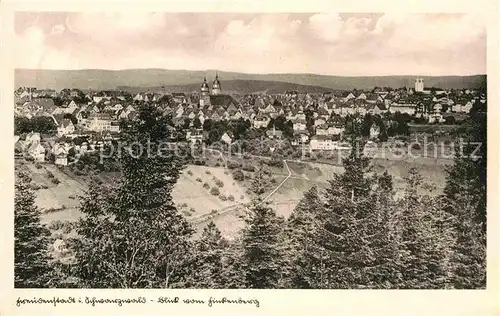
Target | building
(65,127)
(100,122)
(419,85)
(322,142)
(216,88)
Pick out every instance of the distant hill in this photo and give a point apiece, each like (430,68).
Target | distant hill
(236,86)
(177,79)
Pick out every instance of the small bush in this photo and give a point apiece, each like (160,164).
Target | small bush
(273,180)
(217,164)
(192,210)
(215,191)
(223,197)
(68,227)
(57,224)
(199,180)
(34,186)
(38,165)
(44,186)
(206,185)
(186,213)
(71,197)
(190,172)
(242,197)
(208,172)
(214,212)
(238,175)
(50,174)
(183,205)
(230,198)
(56,181)
(219,183)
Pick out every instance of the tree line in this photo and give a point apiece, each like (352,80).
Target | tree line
(356,234)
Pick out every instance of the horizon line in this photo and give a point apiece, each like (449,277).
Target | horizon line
(258,74)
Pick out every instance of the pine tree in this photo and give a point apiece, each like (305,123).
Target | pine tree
(425,241)
(209,257)
(261,240)
(32,262)
(465,199)
(300,239)
(135,238)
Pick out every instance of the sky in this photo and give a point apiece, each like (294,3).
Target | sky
(323,43)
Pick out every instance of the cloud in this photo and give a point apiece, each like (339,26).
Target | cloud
(339,44)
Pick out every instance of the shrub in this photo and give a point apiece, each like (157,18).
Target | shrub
(273,180)
(186,213)
(238,175)
(183,205)
(242,197)
(219,183)
(34,186)
(250,168)
(72,197)
(190,172)
(50,174)
(214,212)
(206,185)
(67,228)
(230,198)
(215,191)
(56,181)
(38,165)
(44,186)
(217,164)
(199,180)
(57,224)
(226,172)
(192,210)
(208,172)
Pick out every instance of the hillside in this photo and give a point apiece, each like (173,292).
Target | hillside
(177,79)
(237,86)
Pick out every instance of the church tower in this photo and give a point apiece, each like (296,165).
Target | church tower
(204,94)
(216,89)
(204,88)
(419,85)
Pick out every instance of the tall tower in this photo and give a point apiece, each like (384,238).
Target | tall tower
(204,88)
(419,85)
(216,89)
(205,93)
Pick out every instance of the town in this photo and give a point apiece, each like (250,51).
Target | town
(57,126)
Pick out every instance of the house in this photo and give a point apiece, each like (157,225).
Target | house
(321,142)
(65,127)
(403,108)
(194,135)
(100,122)
(274,133)
(61,154)
(261,121)
(300,125)
(37,151)
(227,138)
(374,131)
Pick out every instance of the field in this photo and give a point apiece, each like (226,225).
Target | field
(198,204)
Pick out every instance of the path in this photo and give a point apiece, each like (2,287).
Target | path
(206,217)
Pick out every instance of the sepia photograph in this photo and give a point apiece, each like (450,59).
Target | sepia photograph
(217,150)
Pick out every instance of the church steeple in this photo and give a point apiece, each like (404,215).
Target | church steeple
(204,87)
(216,88)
